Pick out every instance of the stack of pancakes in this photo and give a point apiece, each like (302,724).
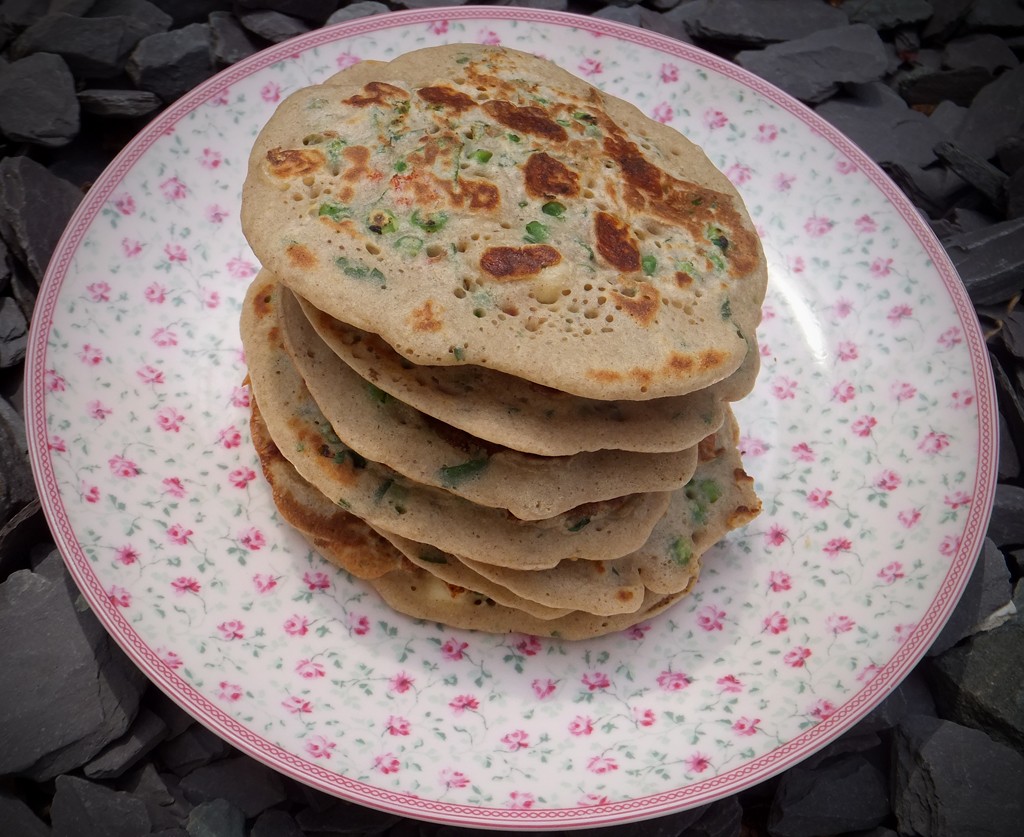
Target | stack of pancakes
(492,349)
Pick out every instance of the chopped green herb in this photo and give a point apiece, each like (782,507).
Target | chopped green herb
(359,271)
(334,211)
(536,232)
(717,237)
(333,150)
(382,489)
(565,123)
(513,137)
(481,155)
(687,267)
(585,117)
(409,245)
(579,524)
(381,221)
(649,265)
(401,166)
(462,59)
(681,551)
(553,208)
(717,260)
(726,310)
(459,353)
(454,475)
(431,224)
(377,394)
(402,107)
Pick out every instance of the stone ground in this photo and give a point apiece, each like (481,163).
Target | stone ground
(933,90)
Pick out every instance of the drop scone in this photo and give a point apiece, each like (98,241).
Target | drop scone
(500,320)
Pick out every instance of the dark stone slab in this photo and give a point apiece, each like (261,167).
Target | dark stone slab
(987,590)
(193,748)
(312,11)
(1009,459)
(428,4)
(910,697)
(1006,526)
(345,818)
(174,717)
(18,819)
(812,68)
(946,118)
(754,23)
(1001,16)
(183,12)
(1010,153)
(550,5)
(87,809)
(218,818)
(170,64)
(231,42)
(37,101)
(978,683)
(996,113)
(888,14)
(723,818)
(931,87)
(643,18)
(119,104)
(273,26)
(15,15)
(145,733)
(945,774)
(165,804)
(352,11)
(984,50)
(23,529)
(35,206)
(248,785)
(1015,195)
(990,262)
(67,691)
(92,47)
(275,823)
(13,333)
(947,17)
(846,794)
(880,122)
(142,11)
(980,174)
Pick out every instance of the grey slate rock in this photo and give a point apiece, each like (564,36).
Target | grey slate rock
(945,774)
(812,68)
(37,101)
(174,717)
(987,590)
(92,47)
(1001,16)
(273,26)
(312,11)
(990,263)
(1006,526)
(18,819)
(1009,459)
(86,809)
(119,104)
(13,333)
(643,18)
(996,113)
(880,122)
(947,17)
(145,733)
(183,12)
(978,683)
(35,207)
(930,87)
(17,488)
(1015,195)
(275,823)
(67,691)
(352,11)
(247,784)
(947,118)
(888,14)
(193,748)
(846,794)
(165,804)
(982,175)
(231,42)
(155,18)
(759,23)
(341,817)
(170,64)
(723,818)
(218,818)
(910,697)
(984,50)
(428,4)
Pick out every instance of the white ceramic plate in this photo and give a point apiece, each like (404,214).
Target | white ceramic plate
(871,434)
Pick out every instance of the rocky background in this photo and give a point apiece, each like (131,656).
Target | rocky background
(933,90)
